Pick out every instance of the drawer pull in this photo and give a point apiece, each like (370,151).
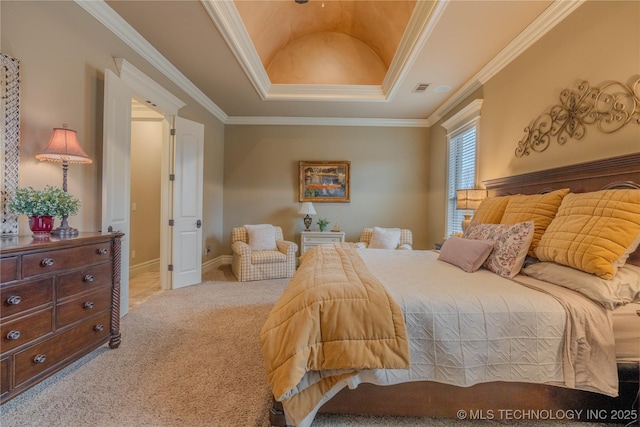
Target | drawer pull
(40,358)
(13,335)
(88,305)
(102,251)
(88,278)
(98,328)
(14,300)
(47,262)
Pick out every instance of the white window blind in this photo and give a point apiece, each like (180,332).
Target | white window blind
(462,172)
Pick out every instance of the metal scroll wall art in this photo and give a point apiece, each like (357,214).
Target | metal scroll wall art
(610,107)
(10,131)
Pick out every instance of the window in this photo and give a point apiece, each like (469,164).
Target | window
(462,130)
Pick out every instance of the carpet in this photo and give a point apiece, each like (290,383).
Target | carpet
(189,357)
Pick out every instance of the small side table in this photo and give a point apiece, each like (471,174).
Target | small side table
(310,239)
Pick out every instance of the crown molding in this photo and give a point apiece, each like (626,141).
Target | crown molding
(324,121)
(226,18)
(422,23)
(548,19)
(118,26)
(228,21)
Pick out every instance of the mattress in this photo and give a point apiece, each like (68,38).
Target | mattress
(626,331)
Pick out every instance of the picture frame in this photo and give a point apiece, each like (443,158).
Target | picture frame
(324,181)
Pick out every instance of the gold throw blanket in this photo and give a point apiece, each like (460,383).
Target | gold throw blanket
(333,319)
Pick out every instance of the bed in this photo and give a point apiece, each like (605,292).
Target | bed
(483,396)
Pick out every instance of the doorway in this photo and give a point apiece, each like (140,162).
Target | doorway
(181,178)
(146,177)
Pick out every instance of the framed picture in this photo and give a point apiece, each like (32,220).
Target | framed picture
(324,181)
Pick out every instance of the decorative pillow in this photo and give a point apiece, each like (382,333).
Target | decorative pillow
(592,230)
(490,210)
(622,289)
(467,254)
(539,208)
(262,237)
(384,238)
(510,245)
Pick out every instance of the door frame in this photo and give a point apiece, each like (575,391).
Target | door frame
(164,102)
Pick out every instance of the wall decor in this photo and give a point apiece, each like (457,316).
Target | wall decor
(324,181)
(10,131)
(609,106)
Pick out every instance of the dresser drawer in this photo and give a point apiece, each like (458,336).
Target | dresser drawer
(39,358)
(4,376)
(26,329)
(21,297)
(85,279)
(8,269)
(65,259)
(321,240)
(87,305)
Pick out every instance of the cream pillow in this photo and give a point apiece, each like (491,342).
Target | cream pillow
(467,254)
(622,289)
(510,245)
(539,208)
(262,237)
(591,231)
(384,238)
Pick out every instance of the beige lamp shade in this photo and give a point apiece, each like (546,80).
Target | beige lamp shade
(64,146)
(307,209)
(470,199)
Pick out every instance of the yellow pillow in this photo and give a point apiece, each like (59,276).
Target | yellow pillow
(490,210)
(539,208)
(592,230)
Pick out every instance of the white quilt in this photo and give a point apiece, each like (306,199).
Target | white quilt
(467,328)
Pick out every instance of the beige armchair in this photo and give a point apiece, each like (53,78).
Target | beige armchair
(386,238)
(262,263)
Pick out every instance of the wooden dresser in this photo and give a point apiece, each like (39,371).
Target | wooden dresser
(60,301)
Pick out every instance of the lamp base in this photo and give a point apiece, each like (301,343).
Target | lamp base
(467,221)
(307,222)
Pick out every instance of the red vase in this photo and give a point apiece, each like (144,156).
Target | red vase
(41,226)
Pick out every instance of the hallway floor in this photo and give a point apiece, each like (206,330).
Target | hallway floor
(143,286)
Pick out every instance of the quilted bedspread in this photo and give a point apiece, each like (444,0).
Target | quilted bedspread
(333,319)
(469,328)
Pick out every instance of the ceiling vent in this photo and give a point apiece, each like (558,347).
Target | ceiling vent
(421,87)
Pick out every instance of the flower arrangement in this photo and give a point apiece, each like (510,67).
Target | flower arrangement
(51,201)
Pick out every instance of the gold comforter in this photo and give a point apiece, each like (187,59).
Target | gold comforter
(333,319)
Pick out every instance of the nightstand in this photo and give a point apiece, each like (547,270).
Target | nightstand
(310,239)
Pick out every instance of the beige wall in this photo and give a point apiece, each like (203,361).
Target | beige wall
(598,42)
(389,177)
(63,53)
(398,174)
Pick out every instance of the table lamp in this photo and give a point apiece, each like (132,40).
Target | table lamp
(307,209)
(64,148)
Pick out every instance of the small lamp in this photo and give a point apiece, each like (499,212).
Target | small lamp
(307,209)
(469,200)
(64,148)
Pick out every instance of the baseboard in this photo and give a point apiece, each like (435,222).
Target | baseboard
(216,262)
(144,267)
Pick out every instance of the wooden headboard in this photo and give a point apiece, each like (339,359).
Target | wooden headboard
(615,172)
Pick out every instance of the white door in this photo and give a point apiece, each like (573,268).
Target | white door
(116,161)
(187,203)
